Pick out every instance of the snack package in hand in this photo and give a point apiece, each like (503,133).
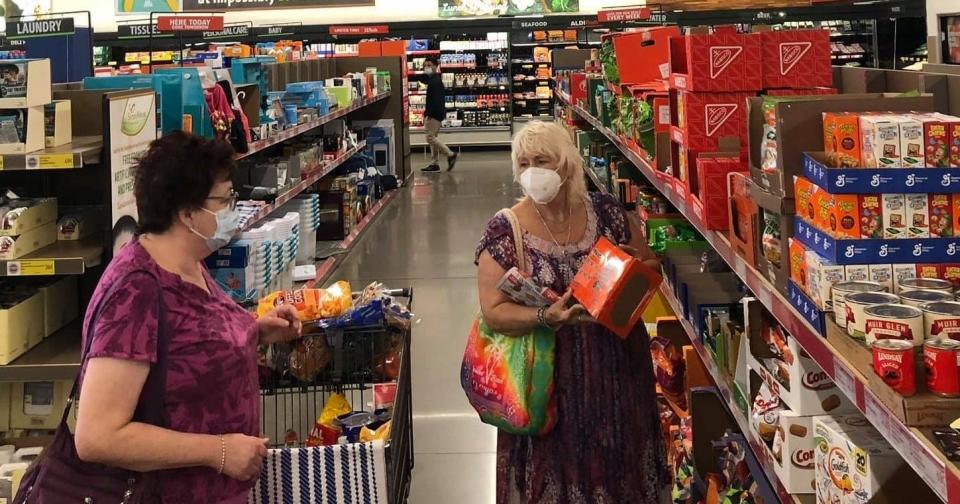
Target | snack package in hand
(311,304)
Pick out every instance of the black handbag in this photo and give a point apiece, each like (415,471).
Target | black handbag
(59,476)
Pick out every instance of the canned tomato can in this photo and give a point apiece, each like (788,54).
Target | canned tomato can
(941,320)
(857,302)
(841,290)
(941,361)
(914,283)
(893,360)
(918,298)
(893,321)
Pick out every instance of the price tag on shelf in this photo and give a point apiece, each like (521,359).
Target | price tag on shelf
(1,162)
(31,267)
(845,381)
(740,266)
(763,293)
(53,161)
(905,441)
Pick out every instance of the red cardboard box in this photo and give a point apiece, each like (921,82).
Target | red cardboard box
(644,55)
(578,88)
(796,58)
(723,61)
(704,119)
(801,91)
(614,287)
(744,218)
(710,198)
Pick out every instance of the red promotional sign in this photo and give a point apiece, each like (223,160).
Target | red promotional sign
(359,30)
(189,23)
(621,15)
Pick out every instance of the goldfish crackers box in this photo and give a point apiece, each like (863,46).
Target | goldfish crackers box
(852,461)
(614,287)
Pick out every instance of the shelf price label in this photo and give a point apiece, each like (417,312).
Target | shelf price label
(49,161)
(31,267)
(846,382)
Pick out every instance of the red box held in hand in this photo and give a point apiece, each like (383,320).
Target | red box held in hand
(703,119)
(614,287)
(723,61)
(796,58)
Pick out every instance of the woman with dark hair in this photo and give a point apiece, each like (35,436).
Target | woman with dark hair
(209,449)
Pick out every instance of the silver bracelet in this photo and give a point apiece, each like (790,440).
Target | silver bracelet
(223,454)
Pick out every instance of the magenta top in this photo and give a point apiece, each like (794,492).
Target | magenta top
(211,385)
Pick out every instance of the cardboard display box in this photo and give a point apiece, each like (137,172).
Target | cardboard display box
(782,211)
(26,83)
(709,196)
(921,410)
(61,302)
(799,381)
(703,120)
(855,464)
(796,58)
(21,130)
(21,327)
(722,61)
(744,217)
(38,405)
(58,129)
(40,212)
(644,55)
(15,247)
(695,374)
(801,122)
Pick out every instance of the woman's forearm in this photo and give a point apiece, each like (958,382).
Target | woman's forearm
(144,447)
(511,319)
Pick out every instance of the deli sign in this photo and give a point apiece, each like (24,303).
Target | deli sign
(190,23)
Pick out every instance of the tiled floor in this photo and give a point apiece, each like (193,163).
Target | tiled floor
(426,239)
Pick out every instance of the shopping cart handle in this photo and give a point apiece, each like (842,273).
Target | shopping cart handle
(407,292)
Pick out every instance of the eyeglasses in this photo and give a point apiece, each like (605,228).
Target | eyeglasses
(230,201)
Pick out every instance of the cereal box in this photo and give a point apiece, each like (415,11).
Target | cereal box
(951,272)
(837,214)
(871,216)
(880,140)
(936,142)
(852,461)
(798,263)
(911,143)
(918,215)
(843,129)
(857,272)
(953,134)
(894,216)
(955,213)
(901,271)
(882,274)
(804,191)
(941,221)
(928,271)
(821,275)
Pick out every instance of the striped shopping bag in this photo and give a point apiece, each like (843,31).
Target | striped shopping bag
(342,474)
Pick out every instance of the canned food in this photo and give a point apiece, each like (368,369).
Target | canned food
(918,298)
(841,290)
(894,362)
(856,303)
(914,283)
(941,360)
(941,320)
(893,321)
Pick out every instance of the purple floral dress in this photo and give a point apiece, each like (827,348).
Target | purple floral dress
(211,383)
(606,447)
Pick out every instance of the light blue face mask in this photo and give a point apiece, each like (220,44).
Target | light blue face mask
(228,223)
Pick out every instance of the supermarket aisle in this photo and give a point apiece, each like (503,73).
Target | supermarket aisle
(426,239)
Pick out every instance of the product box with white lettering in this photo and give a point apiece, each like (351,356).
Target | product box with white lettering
(788,370)
(854,464)
(25,83)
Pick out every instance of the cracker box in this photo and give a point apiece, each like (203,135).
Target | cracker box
(936,141)
(928,271)
(857,272)
(880,141)
(852,460)
(614,287)
(841,133)
(871,216)
(720,61)
(918,215)
(882,274)
(791,451)
(821,275)
(911,143)
(901,271)
(894,216)
(941,220)
(705,118)
(796,58)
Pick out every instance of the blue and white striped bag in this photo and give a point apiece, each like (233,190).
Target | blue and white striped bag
(343,474)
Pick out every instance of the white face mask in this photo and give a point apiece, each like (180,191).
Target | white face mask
(429,70)
(541,184)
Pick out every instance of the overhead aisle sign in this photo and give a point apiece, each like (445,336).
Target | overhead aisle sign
(235,5)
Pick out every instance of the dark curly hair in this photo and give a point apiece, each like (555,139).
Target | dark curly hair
(177,173)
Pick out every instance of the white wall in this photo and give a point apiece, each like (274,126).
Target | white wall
(105,19)
(934,9)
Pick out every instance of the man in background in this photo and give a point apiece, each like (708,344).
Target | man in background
(434,115)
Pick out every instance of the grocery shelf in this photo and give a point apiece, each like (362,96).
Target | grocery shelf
(423,53)
(314,176)
(81,151)
(56,358)
(295,131)
(913,445)
(535,44)
(60,258)
(763,455)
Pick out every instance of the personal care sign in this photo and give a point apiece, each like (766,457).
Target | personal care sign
(133,125)
(234,32)
(40,28)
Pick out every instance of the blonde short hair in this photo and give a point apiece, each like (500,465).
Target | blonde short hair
(551,140)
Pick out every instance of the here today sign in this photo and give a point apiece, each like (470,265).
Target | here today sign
(190,23)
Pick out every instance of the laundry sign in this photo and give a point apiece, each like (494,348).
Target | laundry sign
(40,28)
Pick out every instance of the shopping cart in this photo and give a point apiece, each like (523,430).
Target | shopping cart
(362,359)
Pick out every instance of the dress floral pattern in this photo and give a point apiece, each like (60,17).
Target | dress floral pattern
(606,447)
(211,385)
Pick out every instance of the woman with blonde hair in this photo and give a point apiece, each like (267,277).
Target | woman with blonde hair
(606,446)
